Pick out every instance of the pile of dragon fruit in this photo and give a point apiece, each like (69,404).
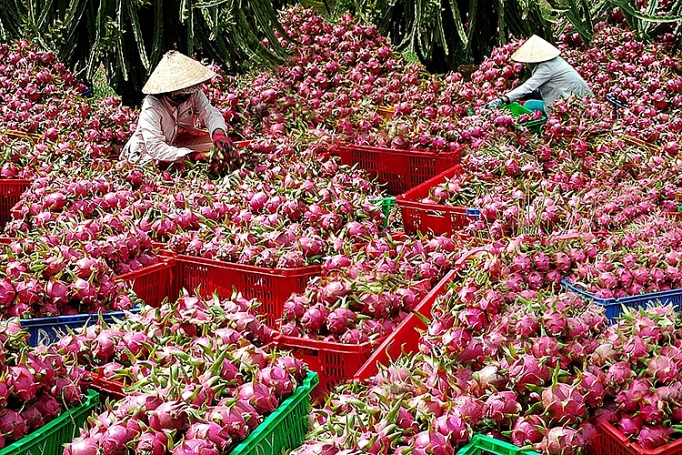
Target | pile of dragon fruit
(362,296)
(506,351)
(642,357)
(198,372)
(36,384)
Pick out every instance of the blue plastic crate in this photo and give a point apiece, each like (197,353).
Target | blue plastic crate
(614,306)
(50,329)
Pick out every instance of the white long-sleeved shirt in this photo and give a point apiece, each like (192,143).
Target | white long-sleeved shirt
(554,79)
(160,122)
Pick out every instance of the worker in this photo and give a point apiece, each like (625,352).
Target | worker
(166,130)
(551,77)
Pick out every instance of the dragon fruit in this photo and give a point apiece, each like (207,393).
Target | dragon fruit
(453,426)
(114,440)
(502,407)
(564,404)
(652,437)
(561,441)
(618,374)
(151,442)
(210,431)
(527,430)
(662,369)
(12,425)
(527,369)
(85,446)
(195,447)
(433,443)
(630,426)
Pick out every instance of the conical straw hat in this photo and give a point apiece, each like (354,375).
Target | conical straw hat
(535,50)
(175,72)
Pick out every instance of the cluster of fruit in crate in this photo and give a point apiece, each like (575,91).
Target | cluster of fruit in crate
(532,367)
(36,384)
(199,377)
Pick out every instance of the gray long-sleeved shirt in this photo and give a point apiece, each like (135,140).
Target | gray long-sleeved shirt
(554,79)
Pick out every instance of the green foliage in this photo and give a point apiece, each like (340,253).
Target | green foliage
(649,22)
(129,37)
(446,33)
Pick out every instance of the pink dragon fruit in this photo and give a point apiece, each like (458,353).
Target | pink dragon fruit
(662,369)
(340,319)
(527,369)
(114,440)
(592,387)
(84,446)
(12,425)
(151,442)
(527,430)
(195,447)
(471,409)
(652,437)
(561,441)
(210,431)
(433,443)
(564,404)
(502,407)
(630,426)
(22,382)
(453,426)
(628,400)
(651,410)
(314,318)
(618,374)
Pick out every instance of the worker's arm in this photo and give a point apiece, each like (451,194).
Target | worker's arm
(541,75)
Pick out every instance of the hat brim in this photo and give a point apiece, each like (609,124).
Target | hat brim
(535,50)
(177,72)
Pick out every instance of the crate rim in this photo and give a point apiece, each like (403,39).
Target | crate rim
(478,439)
(404,152)
(651,296)
(164,262)
(278,415)
(449,172)
(284,342)
(284,272)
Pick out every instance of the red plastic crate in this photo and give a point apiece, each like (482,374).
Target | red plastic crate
(10,193)
(400,170)
(613,442)
(436,218)
(271,287)
(107,387)
(333,362)
(405,338)
(154,283)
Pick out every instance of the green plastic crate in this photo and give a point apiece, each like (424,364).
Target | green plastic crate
(51,437)
(285,428)
(387,204)
(481,445)
(517,109)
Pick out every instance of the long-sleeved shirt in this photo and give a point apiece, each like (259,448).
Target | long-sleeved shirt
(554,79)
(160,122)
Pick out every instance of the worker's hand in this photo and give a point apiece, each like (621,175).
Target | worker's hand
(494,104)
(199,156)
(222,142)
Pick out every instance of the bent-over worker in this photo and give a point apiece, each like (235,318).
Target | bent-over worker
(167,127)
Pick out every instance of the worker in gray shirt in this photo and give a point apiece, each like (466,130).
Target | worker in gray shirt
(551,77)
